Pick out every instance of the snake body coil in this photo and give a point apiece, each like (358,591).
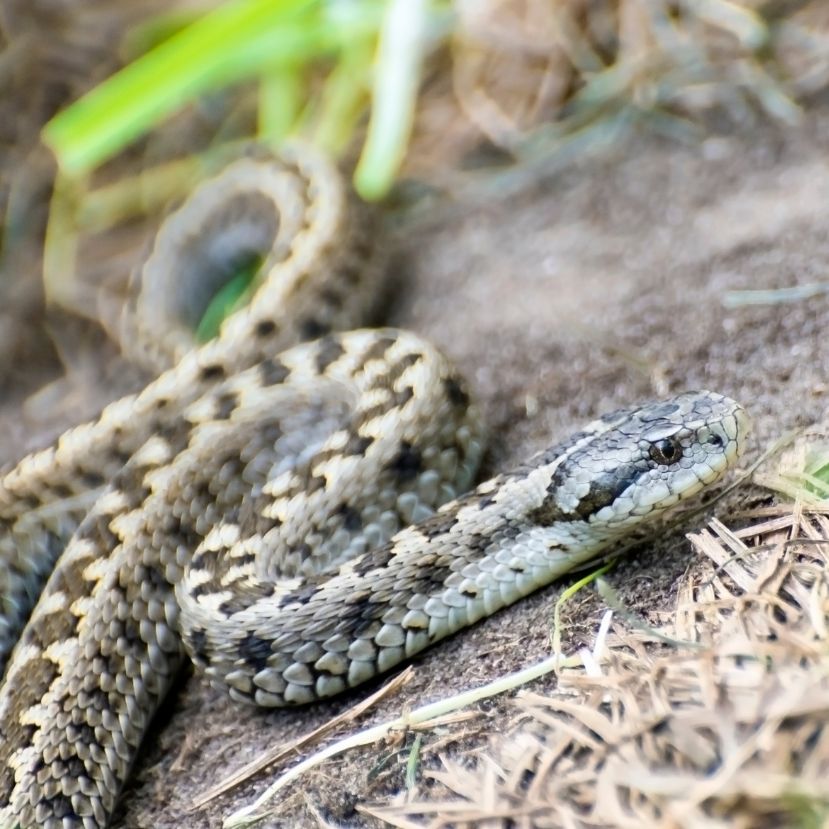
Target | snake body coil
(293,521)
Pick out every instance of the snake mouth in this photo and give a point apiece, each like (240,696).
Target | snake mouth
(731,431)
(743,421)
(725,435)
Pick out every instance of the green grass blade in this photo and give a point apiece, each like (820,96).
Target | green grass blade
(344,97)
(226,45)
(235,293)
(396,81)
(280,102)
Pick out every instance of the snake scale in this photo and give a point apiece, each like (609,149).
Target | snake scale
(283,504)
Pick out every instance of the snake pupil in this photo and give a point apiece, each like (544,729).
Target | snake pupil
(666,451)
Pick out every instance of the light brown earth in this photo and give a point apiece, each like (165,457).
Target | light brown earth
(601,286)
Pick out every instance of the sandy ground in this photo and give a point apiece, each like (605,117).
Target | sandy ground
(600,287)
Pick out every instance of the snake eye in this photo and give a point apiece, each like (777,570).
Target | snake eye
(666,451)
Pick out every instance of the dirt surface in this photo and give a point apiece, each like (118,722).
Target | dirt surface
(600,287)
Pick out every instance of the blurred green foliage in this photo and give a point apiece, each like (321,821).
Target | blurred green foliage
(368,50)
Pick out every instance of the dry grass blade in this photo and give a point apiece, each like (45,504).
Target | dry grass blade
(274,756)
(735,733)
(427,714)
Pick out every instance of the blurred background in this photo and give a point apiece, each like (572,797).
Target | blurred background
(429,105)
(585,203)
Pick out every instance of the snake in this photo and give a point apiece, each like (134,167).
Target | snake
(290,505)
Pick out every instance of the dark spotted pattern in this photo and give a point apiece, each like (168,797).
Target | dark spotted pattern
(212,372)
(455,392)
(197,641)
(378,349)
(351,518)
(438,524)
(357,444)
(311,328)
(408,462)
(242,601)
(331,297)
(265,328)
(273,371)
(255,651)
(604,490)
(301,596)
(226,404)
(376,560)
(330,349)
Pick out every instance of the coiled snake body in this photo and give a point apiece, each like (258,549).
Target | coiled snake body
(277,514)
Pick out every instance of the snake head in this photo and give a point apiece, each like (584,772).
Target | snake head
(636,463)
